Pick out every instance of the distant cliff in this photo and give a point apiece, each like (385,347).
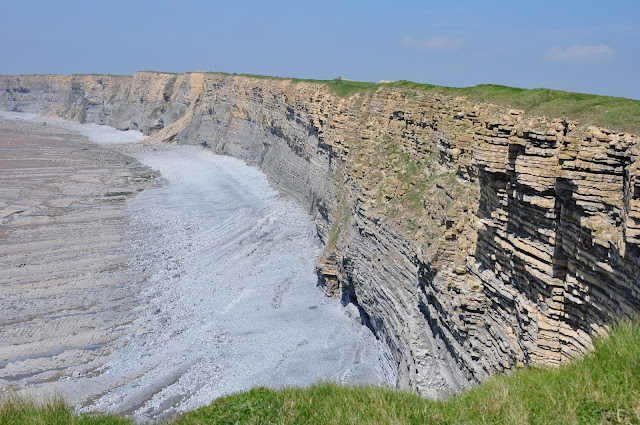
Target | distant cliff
(472,237)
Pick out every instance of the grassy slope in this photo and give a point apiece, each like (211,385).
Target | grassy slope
(604,387)
(15,411)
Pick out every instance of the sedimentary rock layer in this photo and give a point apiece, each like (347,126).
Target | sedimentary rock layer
(468,234)
(65,290)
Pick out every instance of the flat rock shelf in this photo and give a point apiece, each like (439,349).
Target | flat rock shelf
(149,279)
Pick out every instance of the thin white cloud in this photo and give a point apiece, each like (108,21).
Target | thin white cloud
(441,42)
(581,53)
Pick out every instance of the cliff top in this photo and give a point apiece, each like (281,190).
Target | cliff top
(605,111)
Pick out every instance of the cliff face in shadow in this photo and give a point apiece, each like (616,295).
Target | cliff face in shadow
(471,237)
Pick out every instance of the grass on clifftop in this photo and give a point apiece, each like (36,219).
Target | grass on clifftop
(604,387)
(616,113)
(606,111)
(17,411)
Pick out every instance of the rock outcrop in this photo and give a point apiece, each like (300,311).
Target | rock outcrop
(471,238)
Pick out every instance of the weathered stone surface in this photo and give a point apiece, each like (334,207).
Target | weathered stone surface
(477,236)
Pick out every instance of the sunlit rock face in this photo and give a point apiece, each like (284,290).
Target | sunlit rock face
(472,238)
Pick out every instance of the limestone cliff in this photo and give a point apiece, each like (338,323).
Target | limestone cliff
(472,237)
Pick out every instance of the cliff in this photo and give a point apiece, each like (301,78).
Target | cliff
(472,237)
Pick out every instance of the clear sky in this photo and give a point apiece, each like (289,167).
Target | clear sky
(585,46)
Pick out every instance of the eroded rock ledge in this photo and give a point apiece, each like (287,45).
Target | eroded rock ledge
(472,238)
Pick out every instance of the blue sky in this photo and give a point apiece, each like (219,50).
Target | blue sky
(585,46)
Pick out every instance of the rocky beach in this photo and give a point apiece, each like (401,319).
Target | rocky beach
(148,279)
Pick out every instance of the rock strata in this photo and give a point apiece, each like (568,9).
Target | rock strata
(472,238)
(65,291)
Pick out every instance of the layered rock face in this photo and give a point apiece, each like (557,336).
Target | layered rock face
(471,238)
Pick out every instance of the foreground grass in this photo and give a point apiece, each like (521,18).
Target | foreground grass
(604,387)
(18,411)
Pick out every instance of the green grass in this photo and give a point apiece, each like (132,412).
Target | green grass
(607,111)
(20,411)
(604,387)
